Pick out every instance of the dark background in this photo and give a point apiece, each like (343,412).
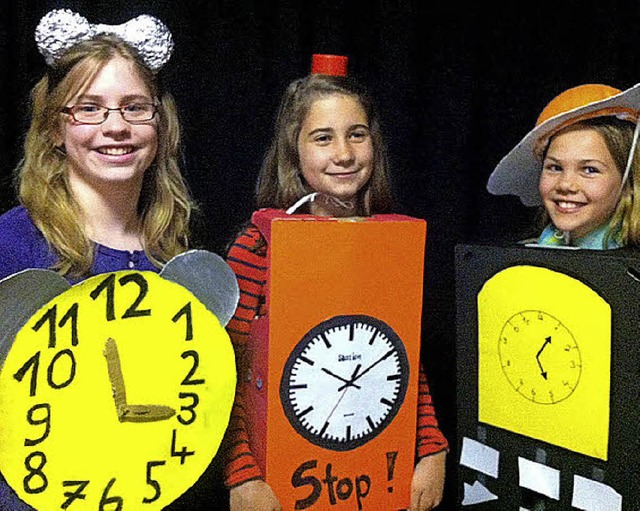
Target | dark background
(458,85)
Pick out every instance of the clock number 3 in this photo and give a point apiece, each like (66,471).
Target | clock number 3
(108,286)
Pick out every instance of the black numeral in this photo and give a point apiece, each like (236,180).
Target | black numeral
(183,453)
(105,500)
(51,316)
(34,364)
(186,312)
(67,379)
(143,289)
(190,408)
(152,482)
(194,367)
(46,420)
(35,472)
(108,287)
(74,495)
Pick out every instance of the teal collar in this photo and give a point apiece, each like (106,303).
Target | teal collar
(595,240)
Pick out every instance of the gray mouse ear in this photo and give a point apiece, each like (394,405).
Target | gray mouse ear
(209,278)
(21,295)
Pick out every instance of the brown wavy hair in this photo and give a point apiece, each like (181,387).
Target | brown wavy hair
(165,204)
(280,182)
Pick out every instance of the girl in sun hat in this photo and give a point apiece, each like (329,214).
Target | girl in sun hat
(580,162)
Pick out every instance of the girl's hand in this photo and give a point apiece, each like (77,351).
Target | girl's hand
(428,482)
(253,496)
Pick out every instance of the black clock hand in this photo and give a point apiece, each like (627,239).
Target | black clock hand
(348,382)
(354,378)
(542,371)
(345,387)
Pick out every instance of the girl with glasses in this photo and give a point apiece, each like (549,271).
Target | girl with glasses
(100,187)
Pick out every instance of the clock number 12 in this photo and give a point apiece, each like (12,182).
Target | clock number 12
(108,286)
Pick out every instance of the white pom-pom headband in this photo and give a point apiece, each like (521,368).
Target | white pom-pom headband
(61,29)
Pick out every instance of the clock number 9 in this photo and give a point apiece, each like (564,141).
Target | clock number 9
(108,286)
(46,420)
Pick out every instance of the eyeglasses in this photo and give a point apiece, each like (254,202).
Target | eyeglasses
(90,113)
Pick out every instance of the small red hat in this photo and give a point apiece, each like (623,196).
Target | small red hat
(334,65)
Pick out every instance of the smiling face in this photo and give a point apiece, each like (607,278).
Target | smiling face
(580,181)
(114,153)
(335,147)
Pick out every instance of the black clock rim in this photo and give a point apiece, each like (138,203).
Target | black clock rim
(337,321)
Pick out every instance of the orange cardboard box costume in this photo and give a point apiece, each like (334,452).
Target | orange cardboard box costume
(334,423)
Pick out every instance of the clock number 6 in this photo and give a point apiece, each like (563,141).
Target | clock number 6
(105,501)
(108,286)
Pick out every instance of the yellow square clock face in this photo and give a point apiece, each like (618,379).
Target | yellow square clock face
(115,395)
(544,358)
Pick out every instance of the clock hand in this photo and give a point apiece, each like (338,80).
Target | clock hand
(146,413)
(336,405)
(383,357)
(115,375)
(127,412)
(542,371)
(348,382)
(345,387)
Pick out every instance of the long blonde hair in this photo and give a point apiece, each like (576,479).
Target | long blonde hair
(280,182)
(164,206)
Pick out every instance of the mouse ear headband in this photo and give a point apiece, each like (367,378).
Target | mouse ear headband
(61,29)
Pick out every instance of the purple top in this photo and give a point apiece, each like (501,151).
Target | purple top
(22,247)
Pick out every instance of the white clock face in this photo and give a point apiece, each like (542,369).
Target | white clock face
(345,381)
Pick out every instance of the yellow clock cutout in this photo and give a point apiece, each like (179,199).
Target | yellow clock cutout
(114,396)
(544,352)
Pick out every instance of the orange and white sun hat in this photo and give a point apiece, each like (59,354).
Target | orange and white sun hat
(518,172)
